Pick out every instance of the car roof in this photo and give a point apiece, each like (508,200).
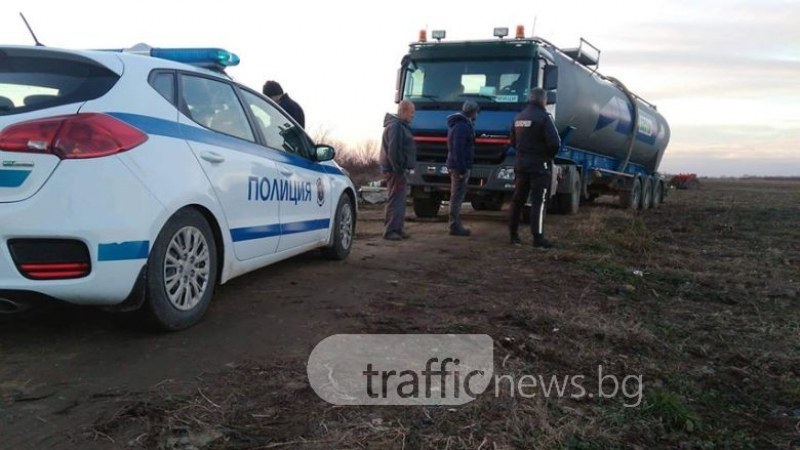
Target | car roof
(113,58)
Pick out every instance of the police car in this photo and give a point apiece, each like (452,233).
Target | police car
(142,178)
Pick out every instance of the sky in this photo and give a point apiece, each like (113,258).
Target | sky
(724,73)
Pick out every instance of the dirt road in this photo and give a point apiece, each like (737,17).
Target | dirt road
(710,319)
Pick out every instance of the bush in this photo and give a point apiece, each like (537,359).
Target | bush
(360,160)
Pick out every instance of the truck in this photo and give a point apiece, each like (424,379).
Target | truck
(612,141)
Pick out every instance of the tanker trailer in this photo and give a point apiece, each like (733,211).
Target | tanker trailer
(612,140)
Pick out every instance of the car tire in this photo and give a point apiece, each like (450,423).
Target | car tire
(181,272)
(343,231)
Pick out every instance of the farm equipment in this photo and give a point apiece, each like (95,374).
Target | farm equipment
(685,181)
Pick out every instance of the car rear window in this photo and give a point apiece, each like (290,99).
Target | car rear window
(30,83)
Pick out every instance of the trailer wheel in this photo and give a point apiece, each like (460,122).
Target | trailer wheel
(426,208)
(632,199)
(658,192)
(569,202)
(647,194)
(590,198)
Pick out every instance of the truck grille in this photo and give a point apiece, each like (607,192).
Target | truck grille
(489,154)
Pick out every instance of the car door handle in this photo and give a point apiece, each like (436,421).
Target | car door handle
(212,157)
(286,172)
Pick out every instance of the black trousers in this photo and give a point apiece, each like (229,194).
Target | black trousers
(535,184)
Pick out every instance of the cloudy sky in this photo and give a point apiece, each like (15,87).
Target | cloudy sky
(725,73)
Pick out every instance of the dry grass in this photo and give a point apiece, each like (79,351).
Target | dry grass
(700,298)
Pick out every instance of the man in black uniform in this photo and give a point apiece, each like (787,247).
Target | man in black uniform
(536,140)
(273,90)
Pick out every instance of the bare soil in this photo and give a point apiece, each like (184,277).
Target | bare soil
(699,297)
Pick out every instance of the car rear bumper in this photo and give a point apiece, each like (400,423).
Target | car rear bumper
(98,203)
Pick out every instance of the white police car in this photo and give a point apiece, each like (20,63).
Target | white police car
(136,180)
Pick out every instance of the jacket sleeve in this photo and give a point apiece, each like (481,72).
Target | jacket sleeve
(465,161)
(394,143)
(397,156)
(410,150)
(470,148)
(551,138)
(460,147)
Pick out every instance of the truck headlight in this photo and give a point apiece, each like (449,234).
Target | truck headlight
(506,174)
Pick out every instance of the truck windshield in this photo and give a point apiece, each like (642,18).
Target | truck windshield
(485,81)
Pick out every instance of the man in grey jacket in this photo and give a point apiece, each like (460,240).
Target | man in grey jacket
(398,156)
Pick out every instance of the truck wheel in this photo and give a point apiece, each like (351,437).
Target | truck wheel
(647,193)
(591,198)
(526,214)
(181,272)
(427,207)
(479,205)
(569,202)
(493,204)
(343,228)
(658,192)
(631,199)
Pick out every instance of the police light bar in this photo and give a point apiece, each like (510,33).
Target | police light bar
(501,32)
(438,34)
(198,56)
(210,58)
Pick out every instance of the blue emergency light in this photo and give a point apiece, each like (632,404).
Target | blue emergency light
(209,58)
(197,56)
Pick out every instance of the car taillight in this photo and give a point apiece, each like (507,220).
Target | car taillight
(87,135)
(60,271)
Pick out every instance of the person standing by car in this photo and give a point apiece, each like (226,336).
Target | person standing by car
(398,156)
(536,140)
(460,155)
(273,90)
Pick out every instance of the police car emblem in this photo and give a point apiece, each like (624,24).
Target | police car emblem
(320,192)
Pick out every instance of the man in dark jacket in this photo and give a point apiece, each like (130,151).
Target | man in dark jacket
(274,91)
(536,140)
(460,154)
(398,156)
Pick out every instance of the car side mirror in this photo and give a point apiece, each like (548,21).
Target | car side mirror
(398,90)
(324,153)
(551,97)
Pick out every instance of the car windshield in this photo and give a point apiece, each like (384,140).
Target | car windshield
(485,81)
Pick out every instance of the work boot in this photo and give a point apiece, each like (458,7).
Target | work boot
(393,236)
(405,235)
(460,232)
(541,242)
(515,240)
